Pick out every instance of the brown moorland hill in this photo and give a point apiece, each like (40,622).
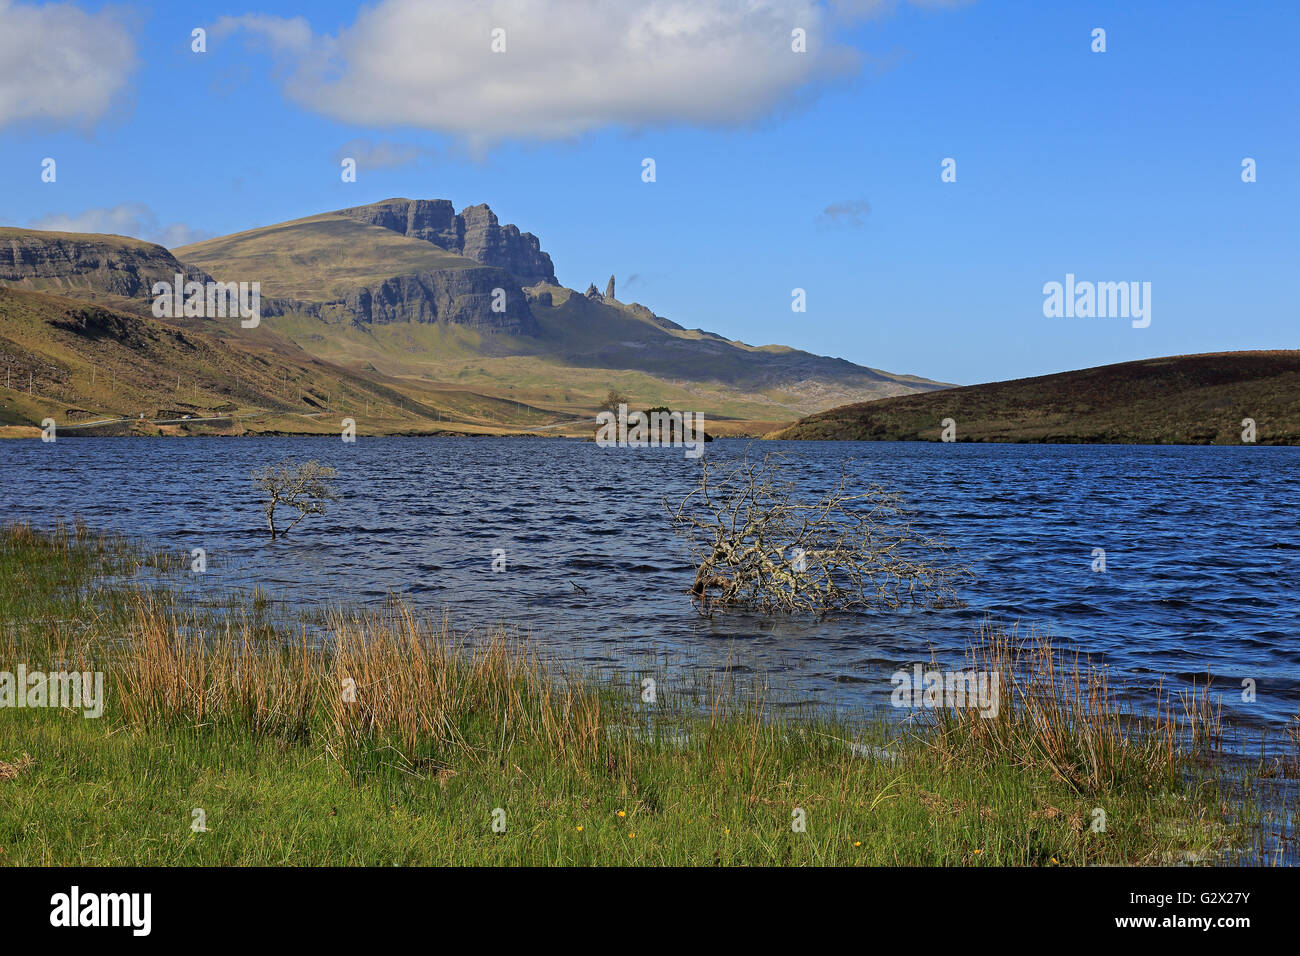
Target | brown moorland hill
(1181,399)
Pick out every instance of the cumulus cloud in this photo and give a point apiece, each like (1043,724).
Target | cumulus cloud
(61,64)
(847,214)
(126,219)
(569,66)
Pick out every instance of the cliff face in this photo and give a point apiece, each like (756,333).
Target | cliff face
(433,220)
(467,297)
(109,265)
(475,234)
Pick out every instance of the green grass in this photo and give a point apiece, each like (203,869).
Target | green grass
(227,709)
(96,793)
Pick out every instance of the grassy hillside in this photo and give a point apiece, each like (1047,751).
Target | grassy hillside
(602,334)
(1186,399)
(586,347)
(85,362)
(10,234)
(454,358)
(584,344)
(318,259)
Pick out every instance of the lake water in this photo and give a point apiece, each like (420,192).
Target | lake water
(1202,547)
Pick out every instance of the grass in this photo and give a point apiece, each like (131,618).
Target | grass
(385,737)
(318,259)
(1061,713)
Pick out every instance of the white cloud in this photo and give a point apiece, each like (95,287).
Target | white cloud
(59,63)
(569,66)
(127,219)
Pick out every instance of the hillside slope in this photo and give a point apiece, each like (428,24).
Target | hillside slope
(79,362)
(405,263)
(1186,399)
(455,312)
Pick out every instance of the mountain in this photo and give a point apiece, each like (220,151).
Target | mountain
(362,281)
(1185,399)
(461,315)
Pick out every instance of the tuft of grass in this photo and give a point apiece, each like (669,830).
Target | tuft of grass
(387,737)
(1061,714)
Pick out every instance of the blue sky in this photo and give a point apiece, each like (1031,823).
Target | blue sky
(1115,166)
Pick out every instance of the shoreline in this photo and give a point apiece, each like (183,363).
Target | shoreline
(241,719)
(34,431)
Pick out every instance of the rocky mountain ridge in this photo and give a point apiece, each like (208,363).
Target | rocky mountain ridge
(474,233)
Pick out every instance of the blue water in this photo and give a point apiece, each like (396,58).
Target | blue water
(1202,547)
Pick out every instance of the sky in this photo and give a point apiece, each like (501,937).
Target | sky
(774,169)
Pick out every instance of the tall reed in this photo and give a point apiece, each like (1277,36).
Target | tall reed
(1059,711)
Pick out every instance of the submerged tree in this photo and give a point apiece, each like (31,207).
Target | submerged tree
(303,487)
(755,544)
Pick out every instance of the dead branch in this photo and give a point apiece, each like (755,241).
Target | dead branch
(756,544)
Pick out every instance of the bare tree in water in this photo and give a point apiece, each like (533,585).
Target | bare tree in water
(305,488)
(756,544)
